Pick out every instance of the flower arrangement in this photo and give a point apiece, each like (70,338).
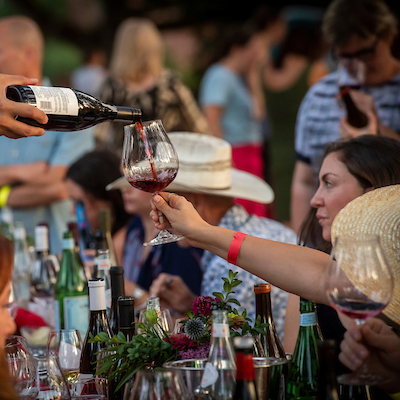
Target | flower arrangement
(153,346)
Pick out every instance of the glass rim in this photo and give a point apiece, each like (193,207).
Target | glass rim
(127,128)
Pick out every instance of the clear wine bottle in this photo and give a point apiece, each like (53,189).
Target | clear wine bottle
(69,109)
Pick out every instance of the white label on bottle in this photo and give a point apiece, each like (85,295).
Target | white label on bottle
(108,298)
(210,376)
(68,244)
(103,264)
(76,313)
(220,330)
(56,100)
(308,319)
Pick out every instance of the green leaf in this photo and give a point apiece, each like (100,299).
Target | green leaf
(236,282)
(219,295)
(234,301)
(227,288)
(103,336)
(151,316)
(231,275)
(121,337)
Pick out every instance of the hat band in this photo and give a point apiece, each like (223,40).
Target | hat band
(210,166)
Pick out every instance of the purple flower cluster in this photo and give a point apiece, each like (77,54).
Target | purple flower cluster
(200,352)
(202,305)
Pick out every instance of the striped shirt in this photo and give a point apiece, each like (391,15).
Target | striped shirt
(319,114)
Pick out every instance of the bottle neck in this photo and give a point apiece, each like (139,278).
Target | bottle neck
(128,332)
(245,368)
(128,114)
(117,286)
(263,307)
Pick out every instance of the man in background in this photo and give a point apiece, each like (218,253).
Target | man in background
(32,170)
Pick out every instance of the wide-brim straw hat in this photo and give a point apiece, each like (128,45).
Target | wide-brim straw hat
(205,166)
(376,212)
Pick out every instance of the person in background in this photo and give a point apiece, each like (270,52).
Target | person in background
(138,78)
(9,127)
(206,178)
(376,345)
(144,264)
(32,170)
(358,29)
(90,77)
(86,180)
(7,326)
(297,65)
(231,109)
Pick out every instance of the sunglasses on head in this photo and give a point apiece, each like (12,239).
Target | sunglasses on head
(365,54)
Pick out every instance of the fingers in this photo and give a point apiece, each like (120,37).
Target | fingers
(353,353)
(29,111)
(159,284)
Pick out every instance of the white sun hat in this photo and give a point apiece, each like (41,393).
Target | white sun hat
(205,166)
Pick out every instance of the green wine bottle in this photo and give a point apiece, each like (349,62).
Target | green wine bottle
(71,291)
(303,375)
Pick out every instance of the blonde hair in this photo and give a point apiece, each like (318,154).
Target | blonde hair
(138,51)
(24,32)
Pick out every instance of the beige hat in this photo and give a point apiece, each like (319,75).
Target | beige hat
(205,166)
(376,212)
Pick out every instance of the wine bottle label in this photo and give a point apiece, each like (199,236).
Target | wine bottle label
(308,319)
(68,244)
(56,100)
(103,263)
(220,330)
(210,376)
(76,313)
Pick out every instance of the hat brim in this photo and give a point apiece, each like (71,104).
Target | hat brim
(244,186)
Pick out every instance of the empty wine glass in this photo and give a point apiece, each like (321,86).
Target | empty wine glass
(157,385)
(164,320)
(150,163)
(65,347)
(22,367)
(359,284)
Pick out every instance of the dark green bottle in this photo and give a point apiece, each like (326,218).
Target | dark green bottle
(71,291)
(303,375)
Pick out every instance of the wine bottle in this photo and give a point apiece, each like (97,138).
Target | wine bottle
(355,117)
(105,228)
(85,236)
(71,292)
(271,346)
(69,109)
(327,389)
(245,380)
(98,322)
(44,277)
(73,227)
(23,266)
(117,290)
(302,381)
(218,380)
(126,325)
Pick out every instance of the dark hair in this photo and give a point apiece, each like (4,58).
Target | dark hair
(304,40)
(373,160)
(365,18)
(93,172)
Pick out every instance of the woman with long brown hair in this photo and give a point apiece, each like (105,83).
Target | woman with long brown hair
(7,325)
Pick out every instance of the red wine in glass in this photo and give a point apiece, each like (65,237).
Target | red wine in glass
(150,163)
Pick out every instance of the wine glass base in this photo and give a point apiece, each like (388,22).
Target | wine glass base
(357,379)
(164,237)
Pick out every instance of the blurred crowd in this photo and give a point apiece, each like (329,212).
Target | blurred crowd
(267,120)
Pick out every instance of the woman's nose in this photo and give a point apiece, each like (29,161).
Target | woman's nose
(316,200)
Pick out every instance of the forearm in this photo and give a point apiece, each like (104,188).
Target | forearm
(296,269)
(34,195)
(384,130)
(9,174)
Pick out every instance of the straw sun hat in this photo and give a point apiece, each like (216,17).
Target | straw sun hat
(376,212)
(205,166)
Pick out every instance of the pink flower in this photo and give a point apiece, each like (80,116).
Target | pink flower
(202,305)
(180,341)
(201,352)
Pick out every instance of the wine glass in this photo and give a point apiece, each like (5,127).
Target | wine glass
(150,163)
(157,385)
(350,74)
(22,367)
(164,320)
(359,284)
(64,347)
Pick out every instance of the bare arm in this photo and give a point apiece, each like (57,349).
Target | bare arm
(303,188)
(292,268)
(44,189)
(214,115)
(292,323)
(10,109)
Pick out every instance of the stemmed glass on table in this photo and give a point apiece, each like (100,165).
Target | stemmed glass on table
(359,284)
(22,367)
(150,163)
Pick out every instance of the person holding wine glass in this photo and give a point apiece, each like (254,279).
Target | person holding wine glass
(362,30)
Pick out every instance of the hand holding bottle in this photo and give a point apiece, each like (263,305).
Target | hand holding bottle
(9,110)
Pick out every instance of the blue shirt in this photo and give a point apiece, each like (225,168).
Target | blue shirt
(170,258)
(55,148)
(215,267)
(221,87)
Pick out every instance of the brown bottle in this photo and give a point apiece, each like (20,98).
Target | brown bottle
(355,117)
(271,345)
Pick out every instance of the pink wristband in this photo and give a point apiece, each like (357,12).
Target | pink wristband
(234,248)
